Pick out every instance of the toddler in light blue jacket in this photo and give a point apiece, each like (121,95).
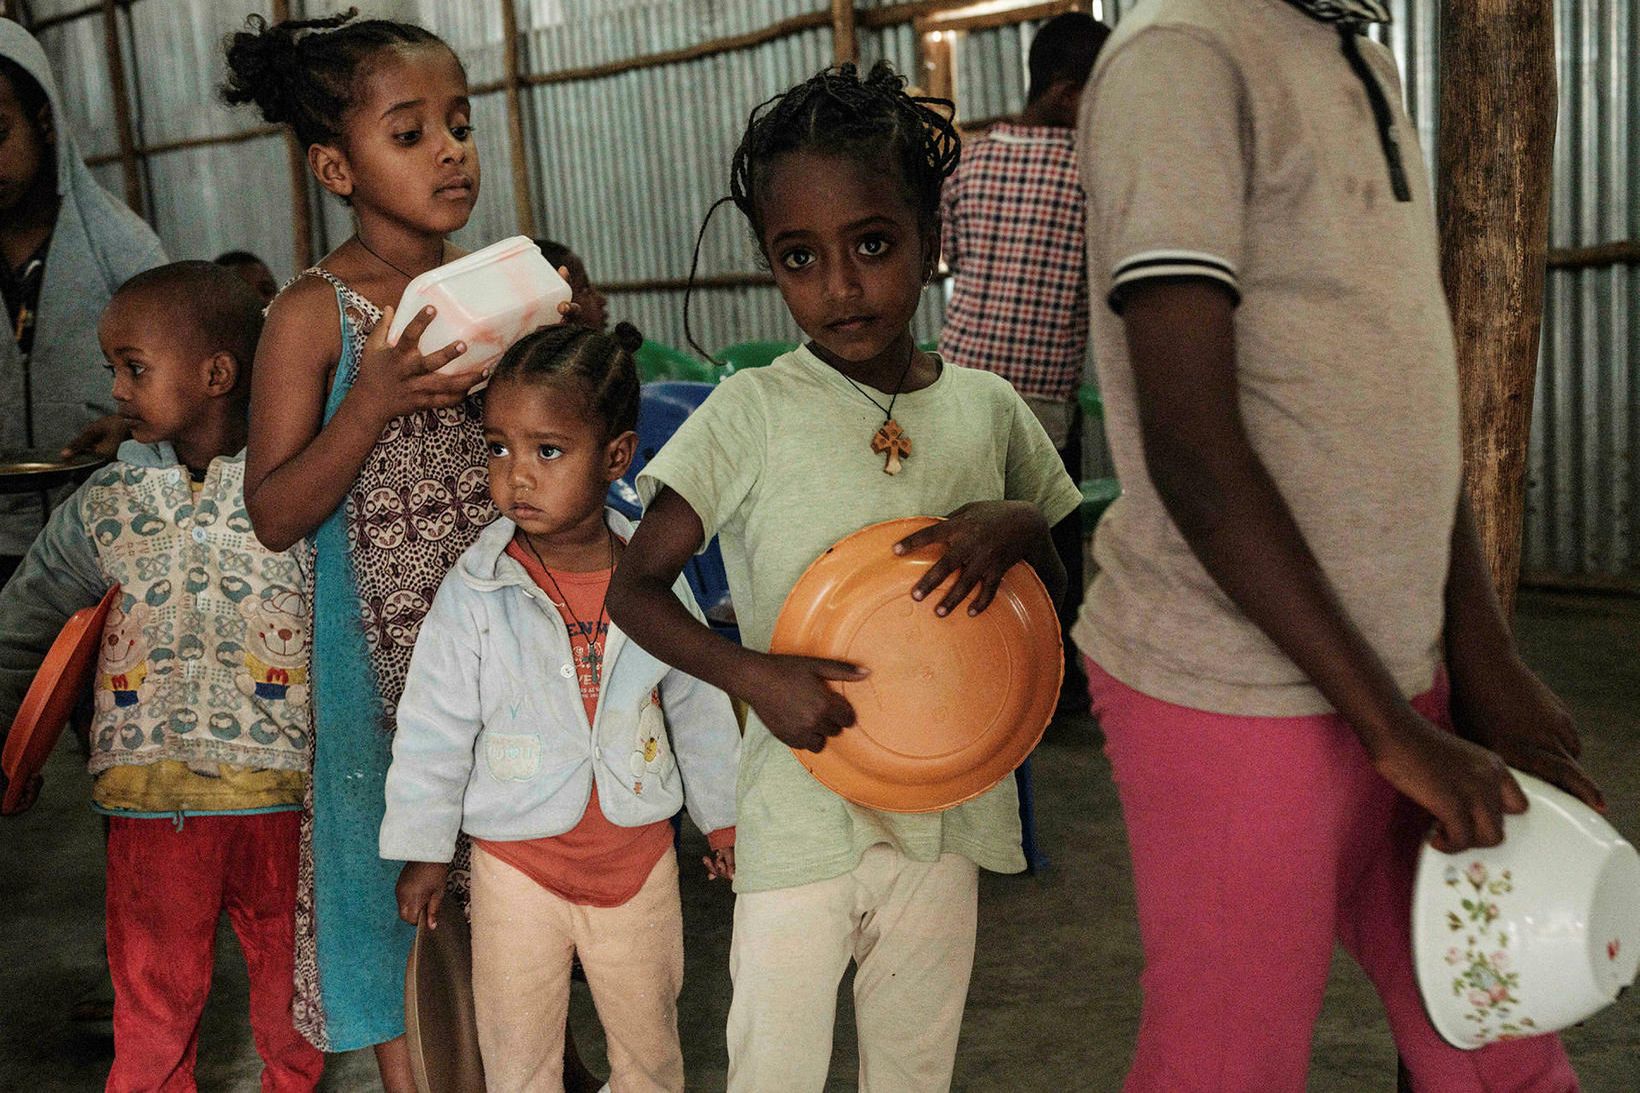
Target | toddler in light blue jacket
(562,749)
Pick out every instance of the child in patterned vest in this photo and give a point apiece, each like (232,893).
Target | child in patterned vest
(199,740)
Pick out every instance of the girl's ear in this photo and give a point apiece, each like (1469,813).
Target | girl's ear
(931,252)
(330,167)
(221,374)
(618,455)
(48,132)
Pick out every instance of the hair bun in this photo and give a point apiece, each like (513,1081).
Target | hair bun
(630,337)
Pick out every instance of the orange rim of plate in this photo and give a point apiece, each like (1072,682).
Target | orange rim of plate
(952,704)
(57,686)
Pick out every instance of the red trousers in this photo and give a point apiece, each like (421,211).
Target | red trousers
(167,886)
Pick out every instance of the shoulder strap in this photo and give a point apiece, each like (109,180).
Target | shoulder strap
(367,311)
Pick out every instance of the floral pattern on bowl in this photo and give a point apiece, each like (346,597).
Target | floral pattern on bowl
(1483,967)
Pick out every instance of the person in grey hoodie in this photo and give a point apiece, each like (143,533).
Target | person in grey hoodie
(67,245)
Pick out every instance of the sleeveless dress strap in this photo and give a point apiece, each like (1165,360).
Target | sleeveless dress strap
(367,310)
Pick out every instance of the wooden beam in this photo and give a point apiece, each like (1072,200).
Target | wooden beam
(35,26)
(953,19)
(523,211)
(845,46)
(296,166)
(894,15)
(1624,253)
(129,169)
(785,28)
(161,148)
(1497,129)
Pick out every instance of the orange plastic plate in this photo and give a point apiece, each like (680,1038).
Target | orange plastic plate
(57,686)
(952,704)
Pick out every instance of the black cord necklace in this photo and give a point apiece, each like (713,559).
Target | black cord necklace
(889,439)
(406,274)
(594,658)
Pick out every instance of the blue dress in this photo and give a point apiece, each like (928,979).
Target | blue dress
(419,501)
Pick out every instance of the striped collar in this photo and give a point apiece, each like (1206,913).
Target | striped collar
(1344,11)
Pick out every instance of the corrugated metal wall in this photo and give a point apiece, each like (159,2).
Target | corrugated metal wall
(623,169)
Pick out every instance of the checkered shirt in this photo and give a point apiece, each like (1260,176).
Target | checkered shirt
(1014,215)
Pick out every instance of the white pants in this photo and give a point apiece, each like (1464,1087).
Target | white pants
(523,939)
(909,925)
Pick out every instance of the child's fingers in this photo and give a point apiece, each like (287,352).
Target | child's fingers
(965,582)
(432,908)
(936,575)
(378,337)
(1563,771)
(411,334)
(432,362)
(840,670)
(987,592)
(933,533)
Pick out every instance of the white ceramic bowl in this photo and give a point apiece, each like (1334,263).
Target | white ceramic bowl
(1531,936)
(489,299)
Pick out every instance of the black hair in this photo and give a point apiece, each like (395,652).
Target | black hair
(873,121)
(630,337)
(30,95)
(1064,49)
(599,362)
(304,73)
(236,258)
(557,253)
(210,303)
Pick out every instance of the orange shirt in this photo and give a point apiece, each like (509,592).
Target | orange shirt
(596,863)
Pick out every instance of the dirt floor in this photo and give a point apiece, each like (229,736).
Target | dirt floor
(1055,1000)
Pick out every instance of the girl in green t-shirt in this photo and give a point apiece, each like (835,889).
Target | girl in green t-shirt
(839,179)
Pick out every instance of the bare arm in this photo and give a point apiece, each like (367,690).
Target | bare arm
(1497,701)
(1227,507)
(298,468)
(790,694)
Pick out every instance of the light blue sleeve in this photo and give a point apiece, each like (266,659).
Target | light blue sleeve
(439,717)
(59,575)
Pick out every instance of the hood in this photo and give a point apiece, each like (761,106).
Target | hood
(19,45)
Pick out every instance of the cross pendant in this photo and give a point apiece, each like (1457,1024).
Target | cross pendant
(891,441)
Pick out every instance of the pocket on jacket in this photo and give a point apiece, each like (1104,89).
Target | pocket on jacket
(512,757)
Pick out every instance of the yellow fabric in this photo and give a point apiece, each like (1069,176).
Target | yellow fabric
(172,786)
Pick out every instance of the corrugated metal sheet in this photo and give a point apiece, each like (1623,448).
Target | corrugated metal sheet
(624,167)
(1583,493)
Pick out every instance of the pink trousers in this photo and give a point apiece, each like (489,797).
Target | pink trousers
(1257,843)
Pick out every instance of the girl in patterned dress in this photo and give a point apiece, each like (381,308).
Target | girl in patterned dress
(364,448)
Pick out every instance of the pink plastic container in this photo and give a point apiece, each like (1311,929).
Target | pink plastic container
(489,299)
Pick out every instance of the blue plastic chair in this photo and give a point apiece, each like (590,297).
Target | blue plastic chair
(664,406)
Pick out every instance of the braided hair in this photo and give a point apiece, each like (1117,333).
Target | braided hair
(599,362)
(873,121)
(305,72)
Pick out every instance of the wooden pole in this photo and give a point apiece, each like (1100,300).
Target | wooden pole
(122,106)
(845,46)
(522,207)
(301,212)
(1497,128)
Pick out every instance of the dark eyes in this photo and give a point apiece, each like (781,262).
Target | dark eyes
(872,246)
(409,137)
